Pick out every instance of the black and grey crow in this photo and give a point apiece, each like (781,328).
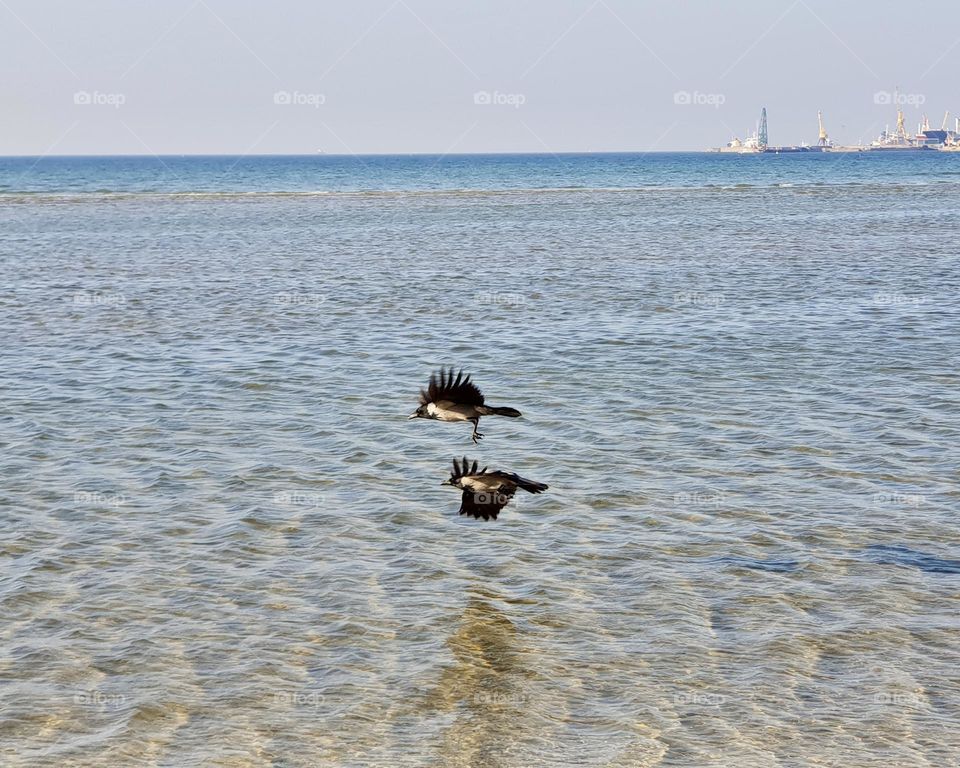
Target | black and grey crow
(486,493)
(449,399)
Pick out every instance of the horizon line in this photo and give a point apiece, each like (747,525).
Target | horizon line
(373,154)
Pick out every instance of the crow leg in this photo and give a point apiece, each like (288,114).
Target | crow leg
(476,434)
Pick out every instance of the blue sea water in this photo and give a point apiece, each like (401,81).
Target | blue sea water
(394,173)
(225,544)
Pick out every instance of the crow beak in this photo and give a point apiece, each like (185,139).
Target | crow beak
(412,416)
(446,482)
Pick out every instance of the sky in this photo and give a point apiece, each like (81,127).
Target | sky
(448,76)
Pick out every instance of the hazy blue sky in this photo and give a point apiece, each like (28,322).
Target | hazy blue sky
(295,76)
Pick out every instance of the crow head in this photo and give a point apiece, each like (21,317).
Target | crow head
(421,413)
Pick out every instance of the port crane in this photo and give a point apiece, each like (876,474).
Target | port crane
(823,140)
(901,128)
(762,130)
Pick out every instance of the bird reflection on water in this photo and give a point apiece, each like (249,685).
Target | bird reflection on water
(486,686)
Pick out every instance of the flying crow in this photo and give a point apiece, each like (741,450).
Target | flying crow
(449,399)
(486,493)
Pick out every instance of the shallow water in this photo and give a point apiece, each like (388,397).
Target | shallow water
(227,546)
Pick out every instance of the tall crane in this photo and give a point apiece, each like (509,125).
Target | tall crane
(824,140)
(946,115)
(901,128)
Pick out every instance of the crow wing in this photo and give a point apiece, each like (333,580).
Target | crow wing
(444,387)
(530,486)
(485,505)
(459,470)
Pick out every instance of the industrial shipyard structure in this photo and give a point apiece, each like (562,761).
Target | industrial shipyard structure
(926,138)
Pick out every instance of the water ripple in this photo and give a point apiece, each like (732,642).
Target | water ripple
(225,543)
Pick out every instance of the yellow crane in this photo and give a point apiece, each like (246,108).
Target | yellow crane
(901,128)
(824,140)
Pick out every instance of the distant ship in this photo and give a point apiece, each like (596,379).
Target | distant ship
(757,142)
(752,144)
(746,146)
(926,138)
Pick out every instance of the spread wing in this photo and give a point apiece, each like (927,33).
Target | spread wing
(485,505)
(444,387)
(459,470)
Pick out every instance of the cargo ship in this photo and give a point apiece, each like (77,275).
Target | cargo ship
(900,140)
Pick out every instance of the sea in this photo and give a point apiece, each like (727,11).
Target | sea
(224,543)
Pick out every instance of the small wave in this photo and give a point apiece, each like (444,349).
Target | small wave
(773,566)
(899,555)
(100,195)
